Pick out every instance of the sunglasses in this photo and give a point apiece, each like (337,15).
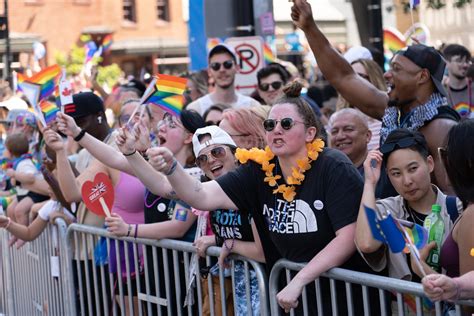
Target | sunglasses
(275,85)
(286,123)
(402,143)
(227,65)
(217,153)
(168,121)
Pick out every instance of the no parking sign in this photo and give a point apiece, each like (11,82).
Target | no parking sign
(249,54)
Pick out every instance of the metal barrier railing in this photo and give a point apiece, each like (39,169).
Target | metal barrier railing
(162,289)
(32,277)
(384,286)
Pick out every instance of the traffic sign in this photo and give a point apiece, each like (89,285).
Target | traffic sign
(249,54)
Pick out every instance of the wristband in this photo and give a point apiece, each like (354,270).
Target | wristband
(80,135)
(136,231)
(130,154)
(173,167)
(129,230)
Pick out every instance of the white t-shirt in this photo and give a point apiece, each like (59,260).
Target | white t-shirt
(205,102)
(50,207)
(26,166)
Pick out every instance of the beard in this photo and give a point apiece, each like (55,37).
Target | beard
(226,86)
(399,104)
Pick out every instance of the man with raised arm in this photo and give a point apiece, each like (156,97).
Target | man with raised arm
(415,99)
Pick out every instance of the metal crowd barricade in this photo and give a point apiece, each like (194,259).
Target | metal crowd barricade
(33,277)
(382,284)
(161,286)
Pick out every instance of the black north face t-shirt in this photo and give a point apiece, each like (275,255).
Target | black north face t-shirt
(327,201)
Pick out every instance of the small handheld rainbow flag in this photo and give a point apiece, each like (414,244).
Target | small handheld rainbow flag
(107,42)
(169,93)
(49,110)
(48,79)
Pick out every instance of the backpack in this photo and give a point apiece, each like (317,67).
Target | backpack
(452,208)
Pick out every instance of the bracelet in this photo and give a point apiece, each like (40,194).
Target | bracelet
(130,154)
(80,135)
(136,231)
(9,222)
(173,167)
(231,246)
(129,230)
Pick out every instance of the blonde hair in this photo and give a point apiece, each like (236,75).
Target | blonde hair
(375,74)
(249,122)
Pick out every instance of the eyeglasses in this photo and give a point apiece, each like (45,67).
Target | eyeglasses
(286,123)
(402,143)
(461,61)
(217,153)
(217,66)
(275,85)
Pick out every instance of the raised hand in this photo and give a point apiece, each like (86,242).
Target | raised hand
(125,141)
(53,140)
(116,225)
(67,125)
(142,136)
(161,159)
(372,166)
(302,15)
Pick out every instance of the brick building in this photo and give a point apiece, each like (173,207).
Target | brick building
(146,33)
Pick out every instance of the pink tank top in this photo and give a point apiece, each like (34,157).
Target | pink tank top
(129,197)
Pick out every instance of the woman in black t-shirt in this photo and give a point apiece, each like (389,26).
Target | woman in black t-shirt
(302,195)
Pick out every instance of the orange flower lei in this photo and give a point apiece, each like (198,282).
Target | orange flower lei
(263,158)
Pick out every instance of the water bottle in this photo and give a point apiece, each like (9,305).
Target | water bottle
(434,224)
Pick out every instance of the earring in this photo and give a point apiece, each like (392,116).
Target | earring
(99,119)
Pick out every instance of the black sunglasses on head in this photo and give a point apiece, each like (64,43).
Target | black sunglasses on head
(401,143)
(286,123)
(266,86)
(217,66)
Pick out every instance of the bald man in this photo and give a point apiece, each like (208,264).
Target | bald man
(349,132)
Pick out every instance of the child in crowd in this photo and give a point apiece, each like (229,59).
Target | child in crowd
(24,173)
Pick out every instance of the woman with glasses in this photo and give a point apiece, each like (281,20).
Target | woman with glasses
(458,158)
(302,197)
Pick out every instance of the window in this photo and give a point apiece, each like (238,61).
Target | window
(129,11)
(163,10)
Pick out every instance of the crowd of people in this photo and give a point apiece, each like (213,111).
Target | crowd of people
(268,176)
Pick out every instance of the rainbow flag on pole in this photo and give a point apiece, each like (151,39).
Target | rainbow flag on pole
(168,93)
(49,110)
(48,79)
(107,42)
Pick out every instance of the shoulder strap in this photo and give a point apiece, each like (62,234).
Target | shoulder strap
(452,207)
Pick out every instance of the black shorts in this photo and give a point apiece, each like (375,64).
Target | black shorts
(35,197)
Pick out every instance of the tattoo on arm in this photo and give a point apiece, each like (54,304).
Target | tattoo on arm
(197,186)
(171,195)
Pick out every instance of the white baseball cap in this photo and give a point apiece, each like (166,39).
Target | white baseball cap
(218,137)
(357,52)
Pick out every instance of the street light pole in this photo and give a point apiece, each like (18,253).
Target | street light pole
(7,59)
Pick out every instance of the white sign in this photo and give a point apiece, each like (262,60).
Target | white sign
(249,54)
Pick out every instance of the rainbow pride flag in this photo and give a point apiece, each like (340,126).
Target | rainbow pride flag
(418,235)
(48,79)
(268,54)
(393,40)
(168,93)
(49,110)
(107,42)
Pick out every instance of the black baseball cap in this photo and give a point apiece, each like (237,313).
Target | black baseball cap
(84,103)
(428,58)
(135,84)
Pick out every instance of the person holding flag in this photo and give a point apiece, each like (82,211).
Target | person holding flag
(409,166)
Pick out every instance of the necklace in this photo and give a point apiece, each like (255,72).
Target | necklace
(413,215)
(263,158)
